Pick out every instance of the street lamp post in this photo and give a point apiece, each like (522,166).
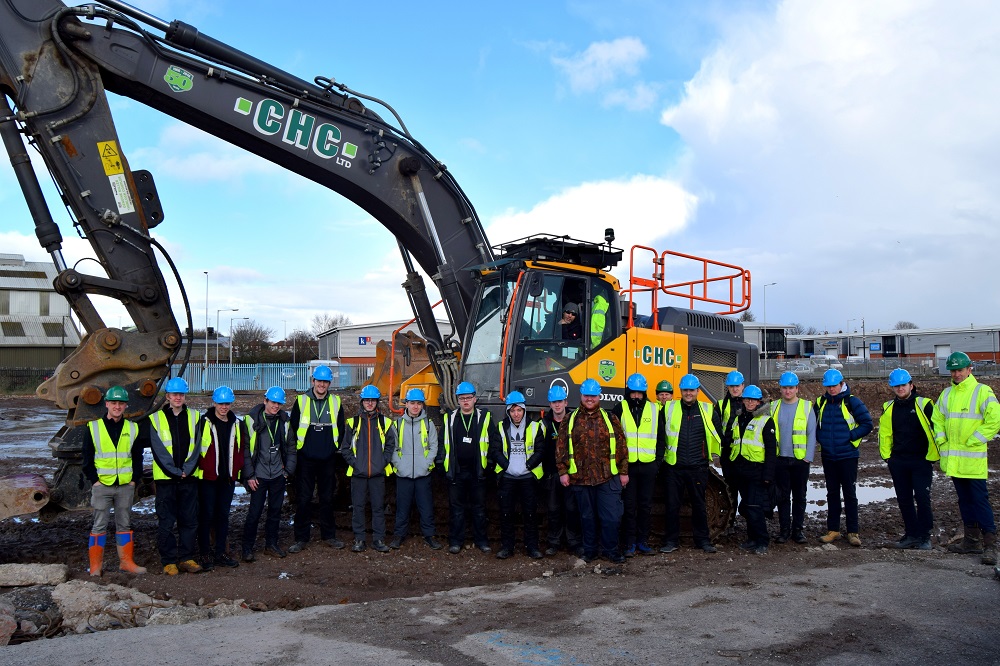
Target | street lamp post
(849,336)
(206,325)
(764,304)
(217,330)
(231,320)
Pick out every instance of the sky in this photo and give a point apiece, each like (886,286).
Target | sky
(844,151)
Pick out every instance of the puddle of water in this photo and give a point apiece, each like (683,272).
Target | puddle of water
(816,493)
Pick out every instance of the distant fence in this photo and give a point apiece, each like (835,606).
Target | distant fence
(879,368)
(240,378)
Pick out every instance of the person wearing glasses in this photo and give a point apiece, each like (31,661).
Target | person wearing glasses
(570,324)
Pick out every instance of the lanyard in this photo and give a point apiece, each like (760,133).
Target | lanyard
(273,433)
(319,415)
(468,423)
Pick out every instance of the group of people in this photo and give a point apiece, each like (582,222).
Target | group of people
(595,469)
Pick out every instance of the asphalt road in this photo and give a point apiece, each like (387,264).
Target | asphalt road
(908,609)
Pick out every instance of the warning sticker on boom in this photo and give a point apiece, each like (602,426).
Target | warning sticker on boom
(110,157)
(123,199)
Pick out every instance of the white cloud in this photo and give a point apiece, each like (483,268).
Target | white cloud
(189,154)
(602,63)
(641,97)
(858,138)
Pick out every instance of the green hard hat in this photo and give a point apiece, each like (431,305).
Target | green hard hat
(664,387)
(958,360)
(116,394)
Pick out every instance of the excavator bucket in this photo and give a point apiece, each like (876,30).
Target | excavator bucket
(408,358)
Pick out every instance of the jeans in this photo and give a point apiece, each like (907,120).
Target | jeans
(561,514)
(974,503)
(841,475)
(638,499)
(102,498)
(912,478)
(518,491)
(315,474)
(362,490)
(215,498)
(791,480)
(272,493)
(176,503)
(409,492)
(601,502)
(467,491)
(695,481)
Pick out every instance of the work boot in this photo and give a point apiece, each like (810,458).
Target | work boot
(432,543)
(799,537)
(971,543)
(535,554)
(989,548)
(708,547)
(484,547)
(925,544)
(668,547)
(96,551)
(125,546)
(380,546)
(503,554)
(358,547)
(907,542)
(190,566)
(830,536)
(248,556)
(224,560)
(396,543)
(854,539)
(334,542)
(274,550)
(782,537)
(170,569)
(297,547)
(644,549)
(552,551)
(630,550)
(207,563)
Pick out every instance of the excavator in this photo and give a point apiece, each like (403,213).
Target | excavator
(505,302)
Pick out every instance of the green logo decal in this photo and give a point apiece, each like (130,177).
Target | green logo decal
(607,370)
(178,79)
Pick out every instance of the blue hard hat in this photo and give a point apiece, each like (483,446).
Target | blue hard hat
(590,387)
(832,377)
(558,392)
(689,382)
(636,382)
(514,398)
(465,388)
(754,392)
(734,378)
(788,379)
(415,395)
(275,394)
(898,377)
(223,395)
(370,392)
(176,385)
(323,374)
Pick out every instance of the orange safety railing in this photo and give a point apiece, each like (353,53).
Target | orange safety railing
(392,360)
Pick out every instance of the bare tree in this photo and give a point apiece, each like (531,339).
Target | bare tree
(903,325)
(800,329)
(250,342)
(306,346)
(324,321)
(748,315)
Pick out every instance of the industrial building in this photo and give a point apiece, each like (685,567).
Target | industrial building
(36,329)
(356,343)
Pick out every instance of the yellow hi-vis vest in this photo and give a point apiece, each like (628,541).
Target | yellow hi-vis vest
(113,460)
(305,416)
(381,435)
(641,438)
(749,445)
(885,429)
(848,417)
(611,436)
(162,427)
(484,437)
(966,417)
(398,425)
(530,430)
(598,319)
(800,427)
(673,425)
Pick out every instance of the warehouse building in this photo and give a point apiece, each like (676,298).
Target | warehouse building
(356,343)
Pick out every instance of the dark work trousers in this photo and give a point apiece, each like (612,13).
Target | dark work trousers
(272,493)
(638,499)
(215,498)
(791,481)
(841,476)
(694,480)
(754,500)
(363,490)
(602,503)
(562,516)
(974,503)
(512,492)
(409,492)
(176,503)
(315,473)
(912,478)
(731,483)
(467,493)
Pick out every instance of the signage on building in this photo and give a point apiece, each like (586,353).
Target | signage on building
(364,340)
(874,346)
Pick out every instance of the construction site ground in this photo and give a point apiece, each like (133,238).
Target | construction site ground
(866,600)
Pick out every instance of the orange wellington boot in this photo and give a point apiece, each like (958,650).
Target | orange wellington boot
(96,548)
(125,545)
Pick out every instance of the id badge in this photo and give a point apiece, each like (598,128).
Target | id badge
(318,428)
(467,440)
